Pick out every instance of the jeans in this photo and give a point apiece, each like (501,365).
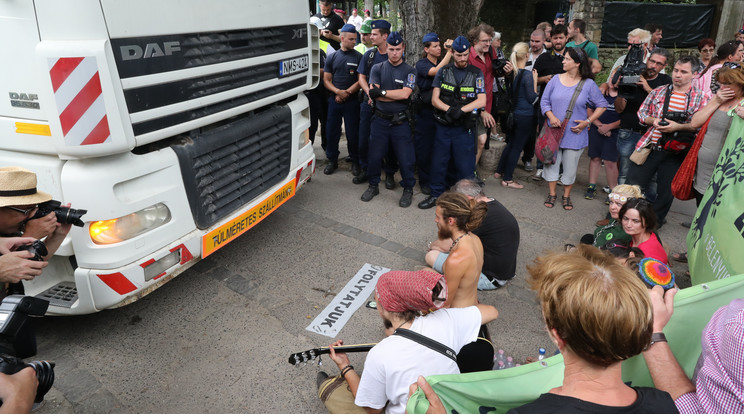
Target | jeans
(509,158)
(626,142)
(664,165)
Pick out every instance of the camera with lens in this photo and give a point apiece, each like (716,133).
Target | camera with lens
(498,67)
(631,71)
(18,340)
(677,142)
(37,248)
(65,215)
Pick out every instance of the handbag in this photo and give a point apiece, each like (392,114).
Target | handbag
(639,156)
(549,140)
(682,181)
(336,395)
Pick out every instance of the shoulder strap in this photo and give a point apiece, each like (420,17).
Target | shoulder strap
(427,342)
(586,43)
(370,59)
(666,100)
(575,96)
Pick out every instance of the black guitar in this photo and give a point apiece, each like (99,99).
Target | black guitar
(315,353)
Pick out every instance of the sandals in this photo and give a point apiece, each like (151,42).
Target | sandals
(511,184)
(567,204)
(550,201)
(680,257)
(496,175)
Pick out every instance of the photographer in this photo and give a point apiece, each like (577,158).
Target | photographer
(17,391)
(630,129)
(667,110)
(19,202)
(15,265)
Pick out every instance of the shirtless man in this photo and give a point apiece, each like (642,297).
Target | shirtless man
(456,217)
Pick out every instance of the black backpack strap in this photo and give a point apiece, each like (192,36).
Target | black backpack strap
(427,342)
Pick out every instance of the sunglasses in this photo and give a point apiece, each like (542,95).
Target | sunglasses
(25,212)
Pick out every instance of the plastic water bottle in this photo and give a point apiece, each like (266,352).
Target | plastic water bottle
(500,365)
(541,354)
(500,356)
(509,362)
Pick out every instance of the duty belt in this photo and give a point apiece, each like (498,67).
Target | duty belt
(396,119)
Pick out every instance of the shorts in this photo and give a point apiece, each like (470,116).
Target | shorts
(484,283)
(569,158)
(480,128)
(603,147)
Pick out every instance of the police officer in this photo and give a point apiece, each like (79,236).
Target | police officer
(341,81)
(391,85)
(425,127)
(459,94)
(379,35)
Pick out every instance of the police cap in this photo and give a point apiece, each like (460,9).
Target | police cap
(460,44)
(395,39)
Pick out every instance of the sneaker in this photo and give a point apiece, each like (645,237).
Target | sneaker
(406,198)
(538,175)
(607,189)
(591,192)
(370,193)
(528,166)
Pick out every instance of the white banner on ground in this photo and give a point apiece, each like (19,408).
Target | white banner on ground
(330,321)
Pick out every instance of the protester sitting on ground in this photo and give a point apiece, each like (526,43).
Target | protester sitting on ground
(731,51)
(639,222)
(717,381)
(554,104)
(621,251)
(524,96)
(613,230)
(598,314)
(499,234)
(403,301)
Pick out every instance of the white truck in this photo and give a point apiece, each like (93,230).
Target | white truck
(178,125)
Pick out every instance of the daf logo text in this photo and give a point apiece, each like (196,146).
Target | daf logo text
(150,50)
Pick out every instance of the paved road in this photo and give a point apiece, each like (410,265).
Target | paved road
(216,339)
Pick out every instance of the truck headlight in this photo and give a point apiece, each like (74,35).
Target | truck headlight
(129,226)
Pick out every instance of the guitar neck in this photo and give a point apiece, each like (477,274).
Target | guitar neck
(311,354)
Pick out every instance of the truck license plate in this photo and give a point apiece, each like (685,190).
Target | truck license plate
(292,66)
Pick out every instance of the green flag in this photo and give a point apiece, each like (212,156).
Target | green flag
(715,243)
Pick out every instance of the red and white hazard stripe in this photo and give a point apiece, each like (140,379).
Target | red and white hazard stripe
(77,91)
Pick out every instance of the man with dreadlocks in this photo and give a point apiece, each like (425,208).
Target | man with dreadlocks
(408,303)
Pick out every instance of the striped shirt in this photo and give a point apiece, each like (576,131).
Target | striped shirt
(654,105)
(720,380)
(677,103)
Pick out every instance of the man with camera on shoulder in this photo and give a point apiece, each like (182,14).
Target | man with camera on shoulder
(667,112)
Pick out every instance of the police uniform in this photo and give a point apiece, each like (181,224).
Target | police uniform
(369,59)
(425,128)
(454,140)
(342,65)
(390,124)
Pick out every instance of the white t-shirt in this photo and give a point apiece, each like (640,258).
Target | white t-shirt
(396,362)
(356,21)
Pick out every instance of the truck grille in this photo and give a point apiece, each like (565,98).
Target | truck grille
(140,56)
(229,166)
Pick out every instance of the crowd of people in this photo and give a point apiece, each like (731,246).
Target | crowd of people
(433,119)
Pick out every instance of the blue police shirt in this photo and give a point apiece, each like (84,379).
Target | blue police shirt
(343,65)
(379,58)
(423,79)
(480,83)
(393,77)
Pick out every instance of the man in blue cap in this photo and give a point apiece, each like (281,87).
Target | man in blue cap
(391,85)
(380,31)
(559,18)
(423,136)
(459,92)
(341,81)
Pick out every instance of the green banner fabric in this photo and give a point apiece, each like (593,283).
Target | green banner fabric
(715,243)
(498,391)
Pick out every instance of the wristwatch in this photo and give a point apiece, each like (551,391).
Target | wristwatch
(384,92)
(657,337)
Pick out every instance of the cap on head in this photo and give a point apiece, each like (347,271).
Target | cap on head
(402,291)
(348,28)
(430,37)
(394,39)
(460,44)
(366,27)
(381,24)
(560,15)
(18,188)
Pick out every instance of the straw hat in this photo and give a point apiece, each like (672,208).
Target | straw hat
(18,188)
